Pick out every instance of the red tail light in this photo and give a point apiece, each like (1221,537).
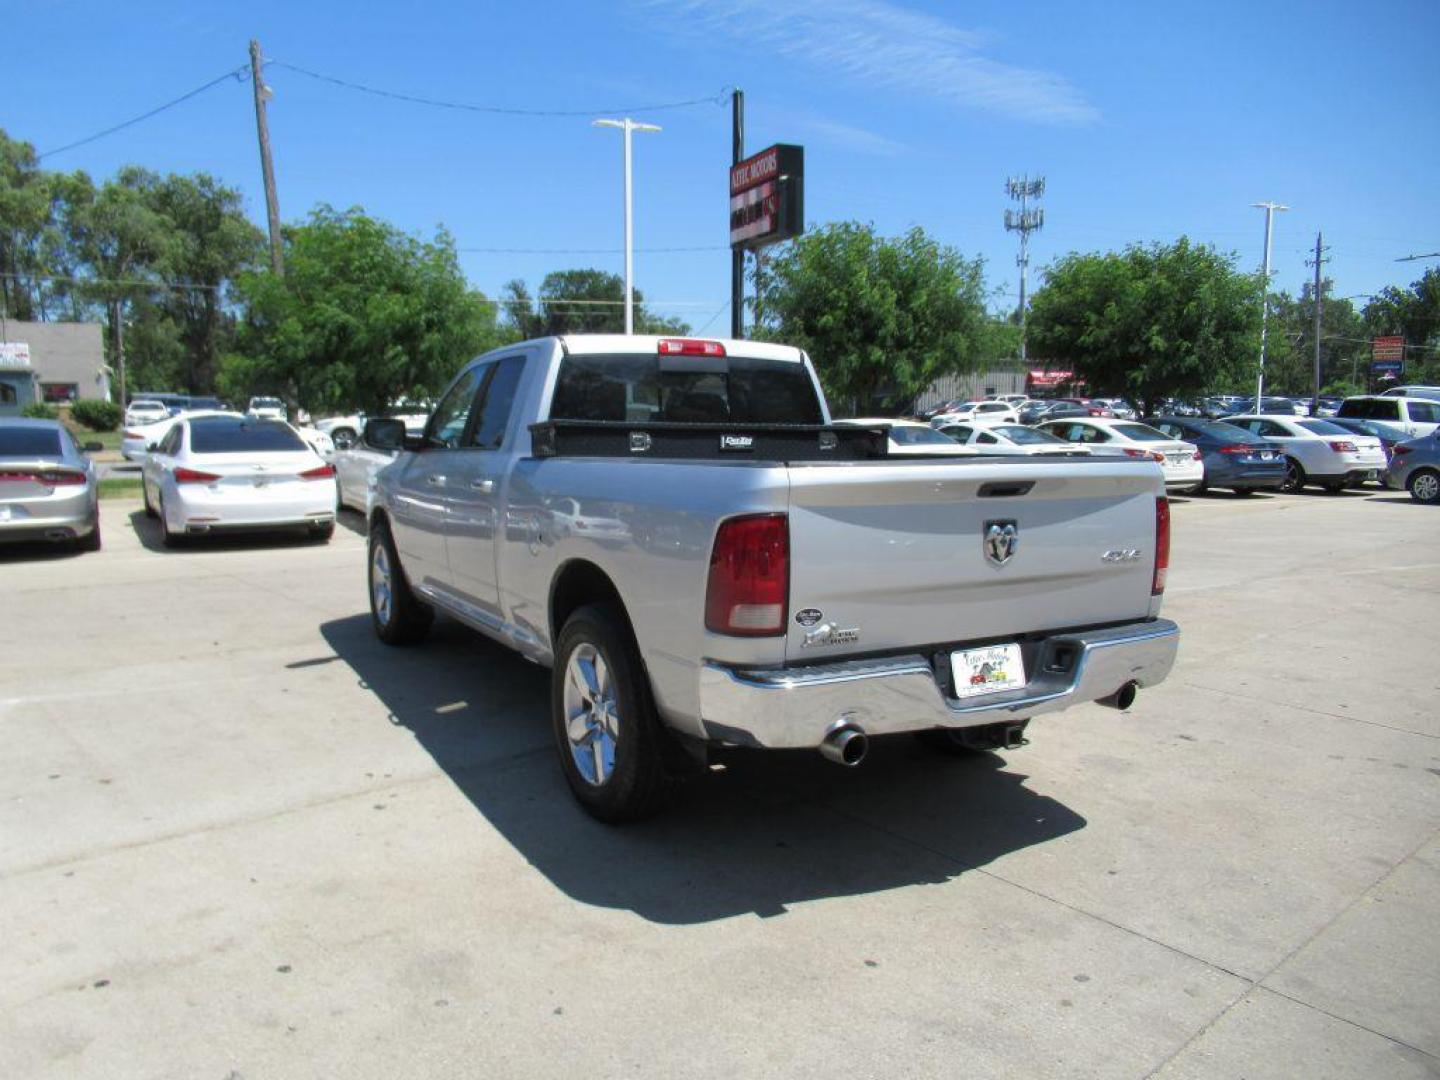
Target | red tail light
(194,476)
(689,347)
(1197,456)
(1238,448)
(1400,450)
(1162,545)
(1340,446)
(1136,452)
(323,472)
(133,435)
(6,477)
(61,479)
(749,587)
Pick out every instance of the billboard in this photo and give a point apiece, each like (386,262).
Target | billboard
(1387,369)
(14,354)
(1387,348)
(767,197)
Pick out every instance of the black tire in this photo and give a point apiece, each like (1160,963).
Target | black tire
(1244,492)
(170,539)
(1335,487)
(1424,486)
(323,533)
(405,620)
(145,495)
(1294,476)
(637,784)
(1199,489)
(91,540)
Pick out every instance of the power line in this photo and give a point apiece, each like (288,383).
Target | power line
(464,106)
(589,251)
(238,74)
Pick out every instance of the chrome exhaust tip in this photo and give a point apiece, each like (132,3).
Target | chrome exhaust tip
(1123,698)
(845,744)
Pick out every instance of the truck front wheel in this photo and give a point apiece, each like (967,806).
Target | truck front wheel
(398,615)
(606,727)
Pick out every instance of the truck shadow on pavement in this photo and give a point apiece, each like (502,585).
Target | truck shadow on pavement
(770,831)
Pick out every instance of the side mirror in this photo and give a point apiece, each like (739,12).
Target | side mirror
(385,434)
(93,447)
(152,447)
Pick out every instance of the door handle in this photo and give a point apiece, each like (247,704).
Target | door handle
(485,486)
(435,479)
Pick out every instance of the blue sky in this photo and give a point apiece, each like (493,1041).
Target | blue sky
(1148,121)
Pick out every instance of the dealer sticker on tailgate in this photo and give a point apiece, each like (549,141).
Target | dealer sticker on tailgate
(988,670)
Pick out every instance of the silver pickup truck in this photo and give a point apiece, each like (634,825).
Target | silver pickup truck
(677,530)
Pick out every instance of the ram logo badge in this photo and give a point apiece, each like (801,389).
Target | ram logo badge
(1000,539)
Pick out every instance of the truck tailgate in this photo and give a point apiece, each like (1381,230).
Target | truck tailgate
(896,551)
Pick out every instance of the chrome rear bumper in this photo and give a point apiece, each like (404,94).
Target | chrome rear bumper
(793,708)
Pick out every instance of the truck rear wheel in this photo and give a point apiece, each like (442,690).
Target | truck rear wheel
(607,731)
(398,615)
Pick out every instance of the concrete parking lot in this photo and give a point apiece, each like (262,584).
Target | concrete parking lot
(241,839)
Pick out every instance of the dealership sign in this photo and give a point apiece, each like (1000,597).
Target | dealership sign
(767,197)
(1387,348)
(14,354)
(1387,369)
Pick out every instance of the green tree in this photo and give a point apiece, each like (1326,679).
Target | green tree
(881,318)
(1150,322)
(1413,313)
(580,302)
(1290,340)
(365,314)
(33,216)
(208,242)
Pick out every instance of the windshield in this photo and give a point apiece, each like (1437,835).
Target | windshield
(919,436)
(1024,436)
(733,389)
(29,442)
(236,435)
(1141,433)
(1322,427)
(266,403)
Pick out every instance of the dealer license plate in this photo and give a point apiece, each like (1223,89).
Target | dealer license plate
(987,671)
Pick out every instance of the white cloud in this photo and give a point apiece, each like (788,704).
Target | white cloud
(885,45)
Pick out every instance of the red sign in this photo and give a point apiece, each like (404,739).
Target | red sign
(767,197)
(1048,379)
(1387,348)
(755,170)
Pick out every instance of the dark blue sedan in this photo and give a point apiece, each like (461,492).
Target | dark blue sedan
(1234,458)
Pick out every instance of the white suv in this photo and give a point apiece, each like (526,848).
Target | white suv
(994,412)
(1418,416)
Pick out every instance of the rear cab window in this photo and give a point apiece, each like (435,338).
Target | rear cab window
(729,389)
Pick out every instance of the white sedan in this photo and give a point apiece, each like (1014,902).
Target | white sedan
(137,439)
(145,411)
(226,472)
(1181,462)
(1317,451)
(357,465)
(990,438)
(911,436)
(994,411)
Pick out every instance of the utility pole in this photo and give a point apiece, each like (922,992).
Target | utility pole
(1025,222)
(1269,208)
(1319,306)
(117,340)
(272,205)
(737,254)
(627,126)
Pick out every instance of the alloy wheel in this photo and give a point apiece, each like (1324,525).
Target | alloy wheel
(592,717)
(382,595)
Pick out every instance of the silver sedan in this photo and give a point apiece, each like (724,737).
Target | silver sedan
(1415,467)
(48,489)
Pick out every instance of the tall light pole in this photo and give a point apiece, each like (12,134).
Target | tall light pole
(1269,208)
(627,126)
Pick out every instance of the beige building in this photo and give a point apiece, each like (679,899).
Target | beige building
(51,361)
